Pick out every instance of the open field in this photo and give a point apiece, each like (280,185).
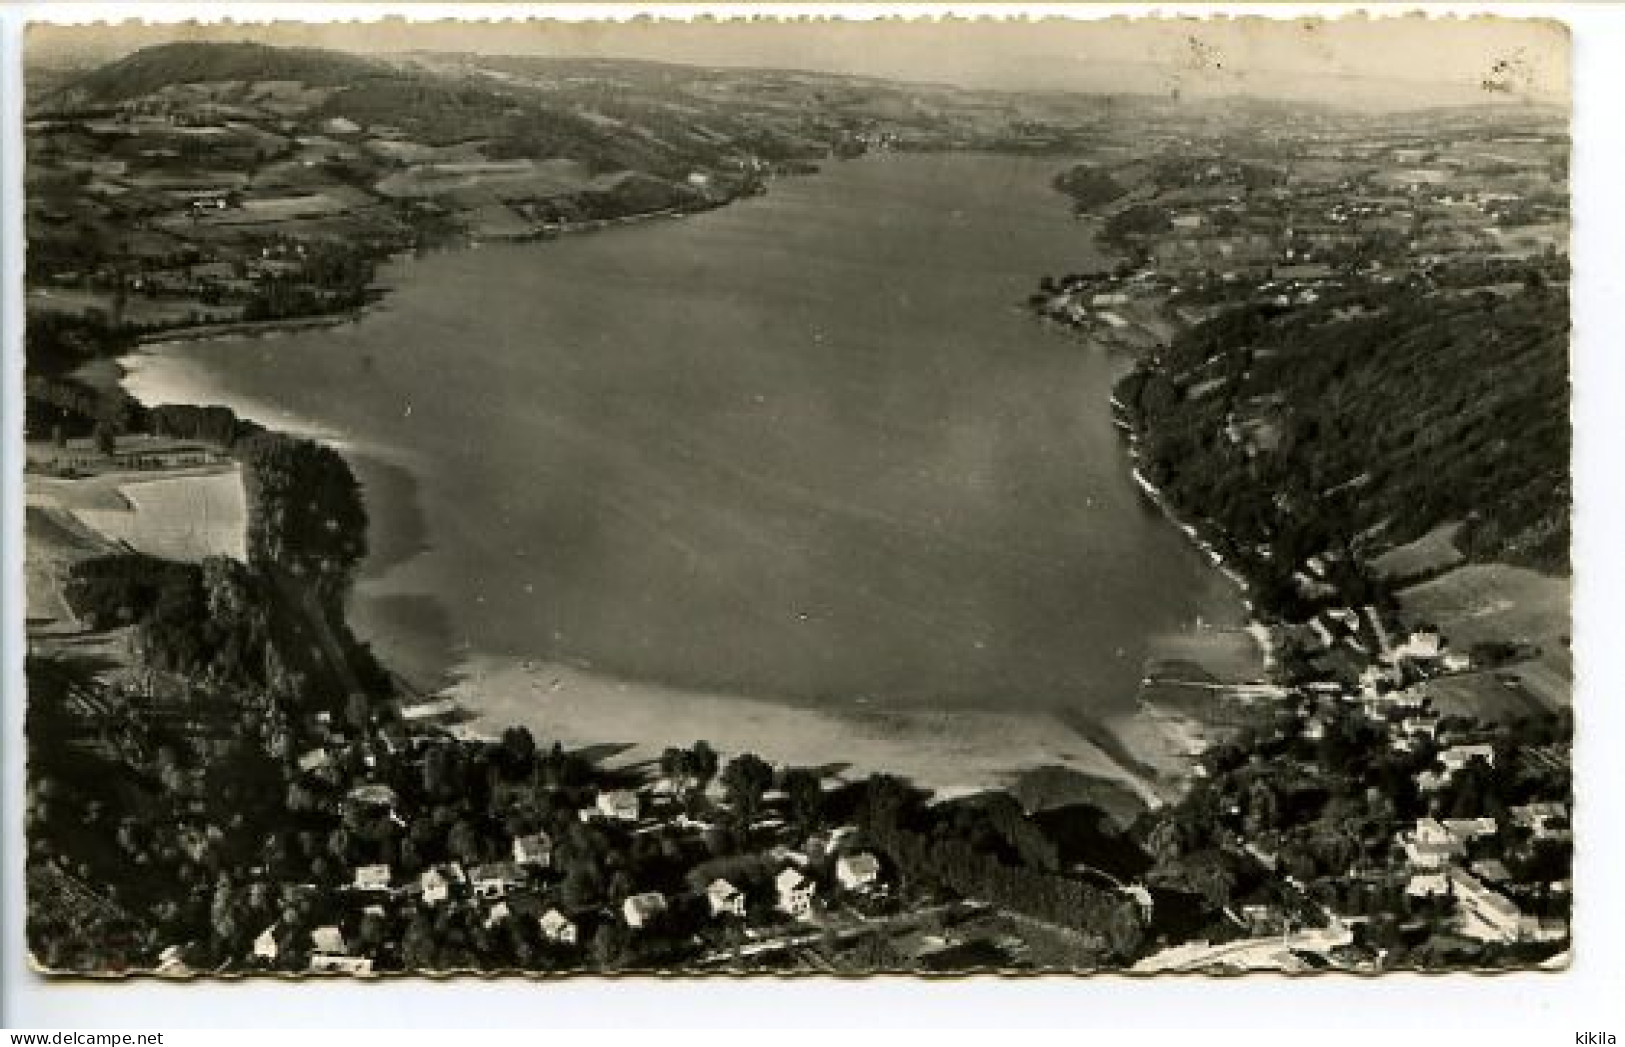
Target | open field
(1433,552)
(503,179)
(138,309)
(1550,678)
(1485,602)
(179,517)
(1486,696)
(165,497)
(1490,602)
(55,540)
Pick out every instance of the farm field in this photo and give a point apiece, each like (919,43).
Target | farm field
(55,540)
(1494,602)
(1483,696)
(179,517)
(138,309)
(1486,602)
(1434,551)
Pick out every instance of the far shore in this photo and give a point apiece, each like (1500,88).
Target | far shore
(256,328)
(247,328)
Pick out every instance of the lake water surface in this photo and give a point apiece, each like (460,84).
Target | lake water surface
(806,447)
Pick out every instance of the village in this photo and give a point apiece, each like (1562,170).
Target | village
(1464,208)
(407,842)
(1401,649)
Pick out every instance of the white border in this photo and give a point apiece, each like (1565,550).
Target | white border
(1587,997)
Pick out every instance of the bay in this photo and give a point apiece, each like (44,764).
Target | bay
(808,448)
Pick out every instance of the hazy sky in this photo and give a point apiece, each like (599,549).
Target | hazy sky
(1388,61)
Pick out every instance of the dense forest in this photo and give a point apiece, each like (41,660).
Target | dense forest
(1346,429)
(208,620)
(989,849)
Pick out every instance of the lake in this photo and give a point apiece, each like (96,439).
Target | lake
(808,447)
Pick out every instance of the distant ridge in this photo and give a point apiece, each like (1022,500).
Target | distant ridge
(154,68)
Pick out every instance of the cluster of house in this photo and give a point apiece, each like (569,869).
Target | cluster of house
(1454,859)
(1341,221)
(515,887)
(795,891)
(1459,860)
(1423,651)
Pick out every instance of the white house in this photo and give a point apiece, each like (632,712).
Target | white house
(725,898)
(315,760)
(857,872)
(339,125)
(1422,643)
(329,963)
(1427,726)
(372,878)
(438,882)
(495,879)
(533,849)
(1428,885)
(171,961)
(265,946)
(1459,756)
(621,805)
(1430,846)
(328,940)
(1545,821)
(1431,831)
(557,927)
(795,892)
(639,909)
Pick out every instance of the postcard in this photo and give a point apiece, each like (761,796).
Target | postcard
(802,497)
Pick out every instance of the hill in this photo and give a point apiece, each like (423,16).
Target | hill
(1294,432)
(151,69)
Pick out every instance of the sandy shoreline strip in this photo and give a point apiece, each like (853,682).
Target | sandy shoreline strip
(946,751)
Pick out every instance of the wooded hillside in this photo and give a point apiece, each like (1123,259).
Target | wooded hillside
(1329,427)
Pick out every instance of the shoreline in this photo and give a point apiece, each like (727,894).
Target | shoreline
(948,752)
(1144,750)
(1131,436)
(247,328)
(1127,752)
(467,242)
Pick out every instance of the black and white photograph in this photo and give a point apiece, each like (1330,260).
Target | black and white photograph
(821,498)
